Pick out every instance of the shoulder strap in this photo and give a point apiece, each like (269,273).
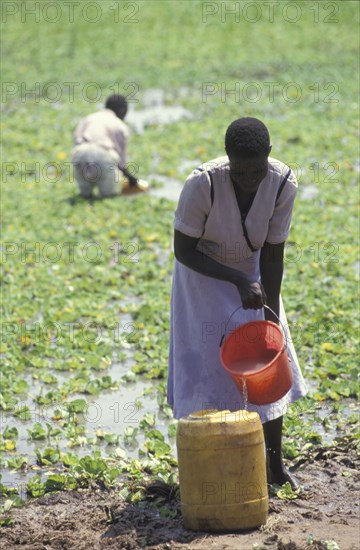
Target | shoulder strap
(211,188)
(247,236)
(282,185)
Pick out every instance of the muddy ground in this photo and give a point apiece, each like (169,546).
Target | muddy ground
(328,510)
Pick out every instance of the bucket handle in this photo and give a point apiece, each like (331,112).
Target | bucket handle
(241,307)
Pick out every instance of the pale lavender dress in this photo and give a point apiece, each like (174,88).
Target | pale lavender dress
(201,306)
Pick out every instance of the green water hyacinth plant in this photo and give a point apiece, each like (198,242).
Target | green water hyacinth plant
(87,284)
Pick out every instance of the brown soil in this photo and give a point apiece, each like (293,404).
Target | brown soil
(328,510)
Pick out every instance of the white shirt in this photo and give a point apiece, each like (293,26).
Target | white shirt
(218,225)
(106,130)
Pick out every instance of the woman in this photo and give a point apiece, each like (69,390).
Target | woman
(231,224)
(100,153)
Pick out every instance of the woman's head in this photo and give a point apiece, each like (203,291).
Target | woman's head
(247,144)
(118,104)
(247,137)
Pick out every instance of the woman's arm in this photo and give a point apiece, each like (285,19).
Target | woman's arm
(252,295)
(271,271)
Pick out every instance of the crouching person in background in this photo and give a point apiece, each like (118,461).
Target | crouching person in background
(99,155)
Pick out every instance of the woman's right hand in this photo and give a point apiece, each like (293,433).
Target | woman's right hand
(252,295)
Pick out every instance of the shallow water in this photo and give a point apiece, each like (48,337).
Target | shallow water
(170,188)
(155,112)
(111,411)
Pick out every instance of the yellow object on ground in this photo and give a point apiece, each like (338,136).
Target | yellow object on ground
(141,187)
(222,470)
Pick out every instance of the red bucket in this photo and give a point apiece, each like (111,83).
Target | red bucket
(255,353)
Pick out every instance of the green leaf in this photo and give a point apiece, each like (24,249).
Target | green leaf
(37,431)
(55,482)
(10,433)
(48,456)
(77,406)
(35,487)
(20,386)
(286,493)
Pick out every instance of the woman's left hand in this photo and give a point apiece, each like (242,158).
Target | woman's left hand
(252,295)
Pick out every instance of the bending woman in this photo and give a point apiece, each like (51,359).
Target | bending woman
(231,224)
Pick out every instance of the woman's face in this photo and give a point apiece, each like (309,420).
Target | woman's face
(248,173)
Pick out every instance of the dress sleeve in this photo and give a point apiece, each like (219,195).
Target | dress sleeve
(280,222)
(194,205)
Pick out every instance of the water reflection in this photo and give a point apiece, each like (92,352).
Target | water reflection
(170,188)
(155,112)
(111,411)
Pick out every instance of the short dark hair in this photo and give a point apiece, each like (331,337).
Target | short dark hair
(117,103)
(247,137)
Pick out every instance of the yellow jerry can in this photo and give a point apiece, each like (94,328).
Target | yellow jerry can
(222,470)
